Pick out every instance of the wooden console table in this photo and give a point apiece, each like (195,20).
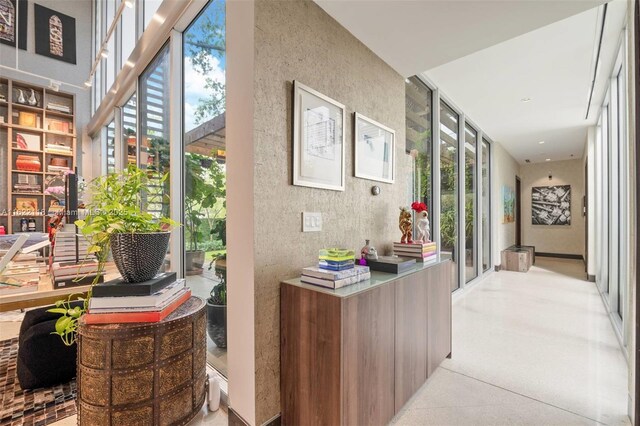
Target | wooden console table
(356,355)
(143,374)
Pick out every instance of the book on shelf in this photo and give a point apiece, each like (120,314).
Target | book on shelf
(59,107)
(138,303)
(392,264)
(132,316)
(335,284)
(119,287)
(325,274)
(73,269)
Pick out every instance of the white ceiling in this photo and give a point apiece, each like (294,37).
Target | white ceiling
(416,35)
(486,56)
(552,66)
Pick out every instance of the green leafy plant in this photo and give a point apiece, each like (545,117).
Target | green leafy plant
(116,206)
(218,295)
(205,185)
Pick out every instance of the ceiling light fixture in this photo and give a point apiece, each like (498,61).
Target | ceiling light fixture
(525,100)
(128,3)
(541,142)
(104,53)
(548,159)
(88,83)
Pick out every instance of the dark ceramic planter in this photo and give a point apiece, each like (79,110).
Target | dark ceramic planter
(139,257)
(217,324)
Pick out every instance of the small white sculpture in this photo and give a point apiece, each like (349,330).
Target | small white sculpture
(424,233)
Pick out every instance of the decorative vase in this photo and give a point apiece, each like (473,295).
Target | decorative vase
(33,101)
(21,99)
(139,257)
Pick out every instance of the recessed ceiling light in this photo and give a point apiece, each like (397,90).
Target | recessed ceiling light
(541,142)
(548,159)
(525,100)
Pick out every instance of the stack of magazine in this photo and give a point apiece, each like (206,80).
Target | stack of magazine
(117,301)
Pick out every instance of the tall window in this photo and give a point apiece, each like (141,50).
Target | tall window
(111,148)
(153,145)
(150,8)
(129,130)
(449,187)
(470,203)
(486,206)
(205,211)
(418,98)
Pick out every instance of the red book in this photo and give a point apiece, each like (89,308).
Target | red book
(128,317)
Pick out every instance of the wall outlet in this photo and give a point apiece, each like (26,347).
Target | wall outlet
(311,221)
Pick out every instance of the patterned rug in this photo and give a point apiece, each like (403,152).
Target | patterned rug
(33,407)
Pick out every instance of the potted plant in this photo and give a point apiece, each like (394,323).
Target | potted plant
(217,305)
(204,186)
(117,223)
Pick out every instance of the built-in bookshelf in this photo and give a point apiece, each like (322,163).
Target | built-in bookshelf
(37,143)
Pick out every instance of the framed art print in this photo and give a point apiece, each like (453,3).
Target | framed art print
(26,205)
(318,140)
(374,150)
(55,34)
(13,23)
(551,205)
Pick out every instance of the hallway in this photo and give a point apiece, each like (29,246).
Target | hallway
(528,349)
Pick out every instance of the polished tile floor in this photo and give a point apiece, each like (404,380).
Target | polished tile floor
(528,349)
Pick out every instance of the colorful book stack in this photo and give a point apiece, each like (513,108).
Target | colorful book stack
(422,252)
(72,274)
(336,268)
(117,301)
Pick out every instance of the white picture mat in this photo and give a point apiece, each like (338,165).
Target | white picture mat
(374,150)
(318,140)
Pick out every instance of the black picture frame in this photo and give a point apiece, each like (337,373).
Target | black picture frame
(22,7)
(551,205)
(47,38)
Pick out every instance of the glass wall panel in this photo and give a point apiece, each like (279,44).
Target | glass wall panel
(150,7)
(153,148)
(109,62)
(486,206)
(205,172)
(128,33)
(129,130)
(419,144)
(604,153)
(449,188)
(470,202)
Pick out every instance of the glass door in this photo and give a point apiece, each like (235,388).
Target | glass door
(449,141)
(204,158)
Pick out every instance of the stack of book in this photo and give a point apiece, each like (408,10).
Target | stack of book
(336,268)
(335,279)
(69,247)
(53,169)
(27,183)
(422,252)
(56,106)
(71,274)
(117,301)
(59,149)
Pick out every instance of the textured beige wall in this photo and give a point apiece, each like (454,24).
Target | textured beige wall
(296,40)
(554,239)
(504,170)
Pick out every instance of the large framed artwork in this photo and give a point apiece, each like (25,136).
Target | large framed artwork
(318,140)
(55,34)
(508,204)
(551,205)
(13,22)
(374,150)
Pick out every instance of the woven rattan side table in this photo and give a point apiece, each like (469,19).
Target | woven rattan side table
(143,374)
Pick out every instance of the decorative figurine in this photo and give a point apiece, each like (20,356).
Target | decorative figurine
(405,224)
(422,214)
(368,252)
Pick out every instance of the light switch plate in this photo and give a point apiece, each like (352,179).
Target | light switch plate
(311,221)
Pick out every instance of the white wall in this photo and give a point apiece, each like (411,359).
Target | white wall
(561,239)
(504,170)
